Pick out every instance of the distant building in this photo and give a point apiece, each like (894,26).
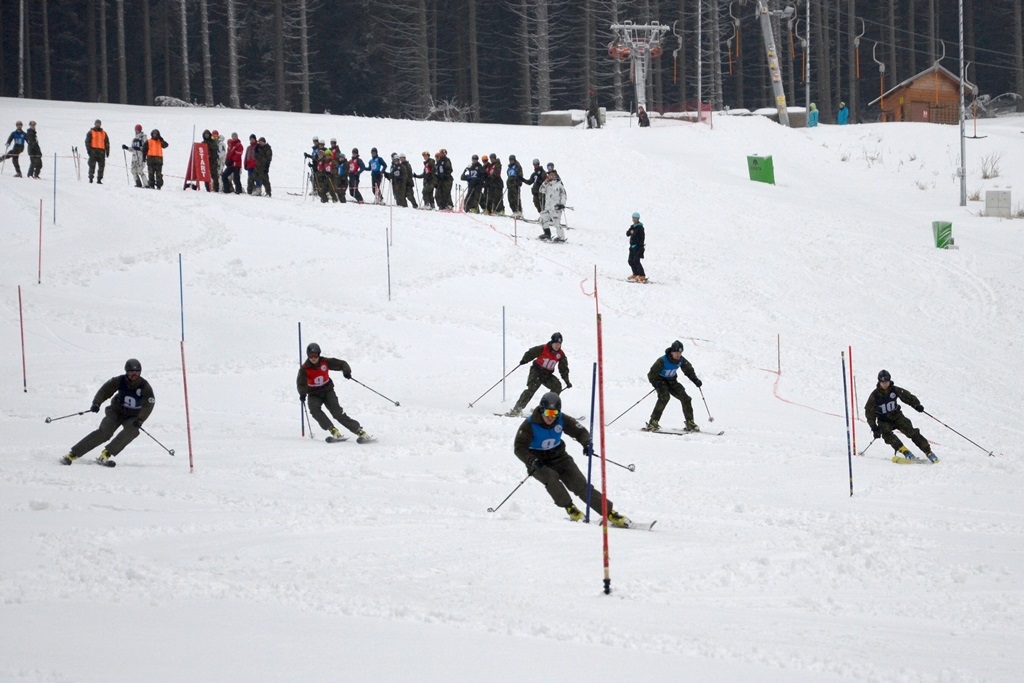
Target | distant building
(932,96)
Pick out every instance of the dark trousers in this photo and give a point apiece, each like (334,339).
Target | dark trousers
(536,378)
(318,401)
(13,156)
(232,173)
(560,473)
(375,180)
(669,389)
(35,165)
(156,172)
(634,262)
(514,202)
(903,424)
(112,419)
(353,189)
(97,161)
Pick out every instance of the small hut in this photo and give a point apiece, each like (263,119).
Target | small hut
(932,96)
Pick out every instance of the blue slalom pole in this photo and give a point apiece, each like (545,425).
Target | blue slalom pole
(846,409)
(590,446)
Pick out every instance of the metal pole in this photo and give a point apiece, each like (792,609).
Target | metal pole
(773,61)
(963,140)
(807,61)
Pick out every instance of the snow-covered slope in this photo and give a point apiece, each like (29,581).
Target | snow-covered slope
(284,559)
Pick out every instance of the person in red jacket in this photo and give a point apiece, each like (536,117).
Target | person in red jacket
(546,359)
(233,165)
(315,384)
(249,162)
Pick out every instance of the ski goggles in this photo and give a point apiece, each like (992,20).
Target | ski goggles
(551,412)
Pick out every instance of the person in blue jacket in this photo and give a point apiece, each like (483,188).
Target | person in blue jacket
(377,167)
(15,146)
(843,117)
(812,116)
(662,377)
(538,444)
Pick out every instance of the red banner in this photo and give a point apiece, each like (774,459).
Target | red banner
(198,170)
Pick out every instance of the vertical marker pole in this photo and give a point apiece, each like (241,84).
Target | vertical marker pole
(302,412)
(184,374)
(387,244)
(590,455)
(55,188)
(502,354)
(846,408)
(604,467)
(39,280)
(21,319)
(853,404)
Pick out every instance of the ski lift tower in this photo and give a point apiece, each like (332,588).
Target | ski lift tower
(638,43)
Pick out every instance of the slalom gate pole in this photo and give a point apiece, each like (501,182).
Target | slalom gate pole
(495,384)
(375,391)
(302,407)
(64,417)
(502,353)
(634,406)
(867,447)
(990,453)
(21,320)
(184,374)
(495,508)
(710,419)
(170,451)
(39,276)
(590,446)
(387,249)
(3,161)
(126,176)
(604,468)
(853,405)
(846,409)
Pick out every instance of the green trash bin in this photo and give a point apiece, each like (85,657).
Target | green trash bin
(761,169)
(943,232)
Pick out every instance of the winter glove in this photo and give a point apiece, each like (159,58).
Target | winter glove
(124,147)
(535,464)
(108,153)
(919,408)
(586,449)
(877,433)
(697,383)
(137,423)
(346,374)
(559,206)
(568,384)
(95,408)
(302,398)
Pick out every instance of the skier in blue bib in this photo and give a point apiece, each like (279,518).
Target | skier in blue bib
(662,377)
(539,445)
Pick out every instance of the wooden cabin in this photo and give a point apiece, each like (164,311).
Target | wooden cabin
(932,96)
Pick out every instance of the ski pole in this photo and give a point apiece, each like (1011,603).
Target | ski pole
(528,475)
(170,451)
(710,419)
(127,177)
(308,420)
(990,453)
(867,447)
(631,407)
(495,384)
(631,467)
(54,419)
(374,391)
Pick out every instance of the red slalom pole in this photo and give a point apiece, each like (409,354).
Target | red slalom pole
(21,320)
(604,466)
(853,404)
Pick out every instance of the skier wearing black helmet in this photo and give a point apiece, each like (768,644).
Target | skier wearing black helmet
(539,445)
(315,384)
(884,416)
(133,402)
(662,377)
(547,357)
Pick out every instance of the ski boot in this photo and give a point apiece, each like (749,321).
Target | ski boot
(903,452)
(575,514)
(106,459)
(362,436)
(691,426)
(931,456)
(615,519)
(652,426)
(69,458)
(515,412)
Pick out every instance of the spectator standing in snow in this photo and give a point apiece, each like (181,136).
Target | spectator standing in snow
(473,176)
(812,115)
(539,445)
(554,203)
(97,145)
(635,233)
(843,117)
(445,178)
(155,159)
(233,165)
(429,178)
(662,377)
(138,150)
(16,145)
(249,163)
(132,405)
(593,112)
(35,153)
(514,171)
(377,168)
(316,389)
(535,181)
(641,115)
(355,168)
(546,359)
(264,155)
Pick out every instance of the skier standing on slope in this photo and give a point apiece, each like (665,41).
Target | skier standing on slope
(635,232)
(133,402)
(884,416)
(138,149)
(314,382)
(546,358)
(553,192)
(662,377)
(538,444)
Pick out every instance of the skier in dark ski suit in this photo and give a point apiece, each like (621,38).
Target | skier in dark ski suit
(884,416)
(662,377)
(635,232)
(443,194)
(535,181)
(132,405)
(316,388)
(538,444)
(35,152)
(546,358)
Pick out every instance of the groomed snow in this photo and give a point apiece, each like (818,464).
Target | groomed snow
(283,559)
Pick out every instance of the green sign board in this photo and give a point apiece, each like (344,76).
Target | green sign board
(761,169)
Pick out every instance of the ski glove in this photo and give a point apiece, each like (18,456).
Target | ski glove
(302,398)
(919,408)
(697,383)
(125,147)
(347,375)
(559,206)
(876,432)
(137,423)
(535,464)
(95,408)
(568,384)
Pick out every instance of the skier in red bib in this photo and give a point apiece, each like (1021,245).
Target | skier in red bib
(315,384)
(546,358)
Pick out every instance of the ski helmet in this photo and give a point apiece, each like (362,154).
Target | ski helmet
(312,349)
(551,400)
(884,376)
(636,214)
(216,134)
(556,338)
(676,346)
(138,127)
(536,162)
(132,365)
(373,151)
